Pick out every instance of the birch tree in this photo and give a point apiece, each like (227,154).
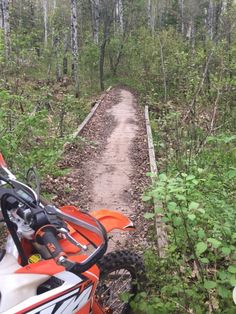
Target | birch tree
(119,11)
(45,13)
(74,44)
(154,7)
(6,26)
(149,13)
(210,19)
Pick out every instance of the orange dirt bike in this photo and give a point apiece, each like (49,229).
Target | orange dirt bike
(54,258)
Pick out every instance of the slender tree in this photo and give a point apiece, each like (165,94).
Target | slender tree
(1,15)
(107,18)
(45,11)
(210,19)
(6,26)
(74,44)
(120,15)
(181,11)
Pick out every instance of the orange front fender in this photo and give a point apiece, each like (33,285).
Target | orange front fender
(2,161)
(111,220)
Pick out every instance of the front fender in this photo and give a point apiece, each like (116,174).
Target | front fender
(112,220)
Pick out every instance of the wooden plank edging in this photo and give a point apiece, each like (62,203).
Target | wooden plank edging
(151,151)
(91,114)
(160,226)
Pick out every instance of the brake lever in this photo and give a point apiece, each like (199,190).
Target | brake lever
(72,240)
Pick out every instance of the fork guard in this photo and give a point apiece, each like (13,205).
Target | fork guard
(112,220)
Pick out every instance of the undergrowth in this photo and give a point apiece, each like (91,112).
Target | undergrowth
(195,192)
(37,119)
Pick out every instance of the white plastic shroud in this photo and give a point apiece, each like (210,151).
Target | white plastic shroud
(19,291)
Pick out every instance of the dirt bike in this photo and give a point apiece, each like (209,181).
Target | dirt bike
(54,261)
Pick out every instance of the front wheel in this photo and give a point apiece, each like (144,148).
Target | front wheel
(121,273)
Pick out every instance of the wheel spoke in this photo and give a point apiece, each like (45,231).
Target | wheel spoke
(118,276)
(114,283)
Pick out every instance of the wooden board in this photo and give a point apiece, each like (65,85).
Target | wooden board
(160,226)
(90,115)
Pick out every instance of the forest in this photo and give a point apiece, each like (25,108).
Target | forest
(179,58)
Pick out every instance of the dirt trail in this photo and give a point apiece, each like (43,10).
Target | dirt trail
(112,172)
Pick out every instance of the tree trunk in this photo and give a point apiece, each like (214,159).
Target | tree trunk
(218,11)
(58,59)
(210,19)
(45,17)
(181,10)
(163,71)
(65,57)
(151,12)
(74,44)
(101,63)
(95,20)
(107,20)
(6,26)
(229,35)
(119,11)
(1,15)
(191,32)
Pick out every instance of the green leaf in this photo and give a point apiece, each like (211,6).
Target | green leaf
(163,177)
(190,177)
(224,293)
(172,206)
(232,269)
(201,210)
(226,250)
(233,281)
(208,284)
(146,198)
(149,215)
(192,217)
(125,296)
(215,243)
(177,221)
(158,210)
(180,197)
(165,219)
(204,260)
(193,205)
(201,234)
(231,174)
(201,247)
(222,275)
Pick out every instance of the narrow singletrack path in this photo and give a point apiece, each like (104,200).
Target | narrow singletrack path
(113,170)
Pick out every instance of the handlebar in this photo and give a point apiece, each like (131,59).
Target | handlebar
(47,235)
(48,222)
